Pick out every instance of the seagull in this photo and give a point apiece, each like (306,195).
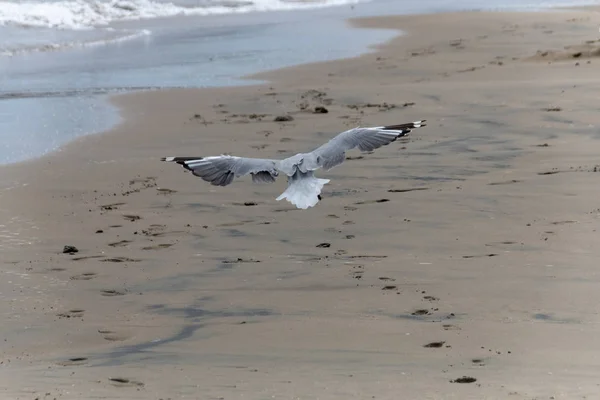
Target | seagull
(304,189)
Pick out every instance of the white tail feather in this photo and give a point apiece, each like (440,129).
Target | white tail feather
(304,192)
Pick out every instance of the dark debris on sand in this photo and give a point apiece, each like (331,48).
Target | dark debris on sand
(434,345)
(464,379)
(70,249)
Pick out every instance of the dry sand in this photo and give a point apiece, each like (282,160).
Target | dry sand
(184,290)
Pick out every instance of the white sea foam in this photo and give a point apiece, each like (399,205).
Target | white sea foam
(85,14)
(112,37)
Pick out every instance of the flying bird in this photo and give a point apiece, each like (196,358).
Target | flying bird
(304,189)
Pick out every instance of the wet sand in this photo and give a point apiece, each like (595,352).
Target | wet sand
(461,264)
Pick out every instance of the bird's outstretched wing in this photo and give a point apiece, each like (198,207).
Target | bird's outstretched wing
(221,170)
(333,152)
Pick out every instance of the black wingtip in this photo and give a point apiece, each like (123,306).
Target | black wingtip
(407,126)
(179,160)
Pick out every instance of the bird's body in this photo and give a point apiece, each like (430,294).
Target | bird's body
(304,188)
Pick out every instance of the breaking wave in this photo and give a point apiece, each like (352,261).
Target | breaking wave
(86,14)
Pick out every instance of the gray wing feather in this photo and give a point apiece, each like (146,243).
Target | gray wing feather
(333,153)
(221,170)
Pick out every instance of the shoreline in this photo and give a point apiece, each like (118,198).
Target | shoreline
(493,255)
(229,79)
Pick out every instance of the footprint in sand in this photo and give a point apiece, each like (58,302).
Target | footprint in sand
(158,246)
(113,206)
(112,336)
(550,172)
(434,345)
(422,52)
(76,313)
(119,259)
(365,256)
(86,276)
(420,312)
(470,69)
(73,362)
(246,204)
(373,201)
(120,243)
(506,242)
(237,223)
(464,379)
(285,209)
(154,230)
(457,43)
(112,292)
(125,382)
(132,217)
(407,190)
(85,258)
(481,255)
(450,327)
(240,260)
(165,191)
(504,182)
(426,315)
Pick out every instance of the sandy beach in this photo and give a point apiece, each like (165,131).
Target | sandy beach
(460,264)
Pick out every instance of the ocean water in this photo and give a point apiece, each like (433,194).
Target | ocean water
(59,59)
